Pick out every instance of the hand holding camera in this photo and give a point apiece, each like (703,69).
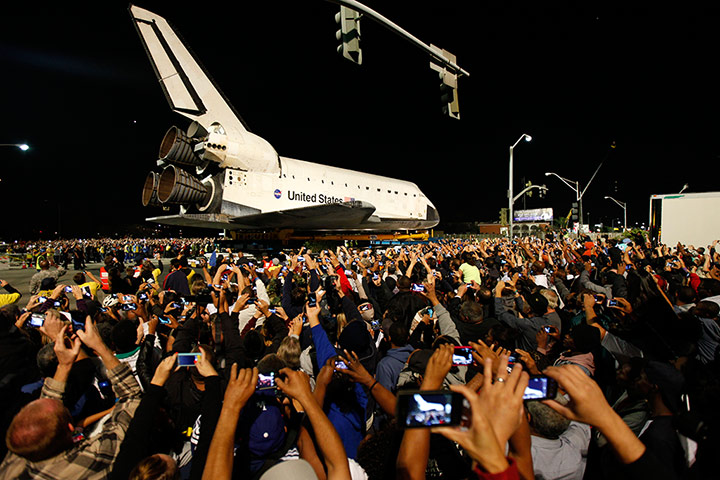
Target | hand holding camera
(240,388)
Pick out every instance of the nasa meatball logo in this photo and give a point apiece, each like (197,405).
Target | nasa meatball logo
(277,193)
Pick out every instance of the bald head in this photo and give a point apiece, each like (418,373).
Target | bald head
(44,264)
(40,430)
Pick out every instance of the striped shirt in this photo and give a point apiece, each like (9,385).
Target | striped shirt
(91,458)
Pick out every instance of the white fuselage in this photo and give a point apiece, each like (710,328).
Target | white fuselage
(301,184)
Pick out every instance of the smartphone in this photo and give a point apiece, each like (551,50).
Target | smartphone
(68,289)
(548,329)
(176,305)
(150,281)
(142,296)
(259,270)
(418,287)
(598,299)
(462,356)
(129,306)
(312,300)
(512,359)
(36,320)
(188,359)
(42,299)
(540,388)
(164,320)
(266,382)
(375,324)
(612,302)
(426,409)
(341,365)
(77,325)
(127,298)
(57,303)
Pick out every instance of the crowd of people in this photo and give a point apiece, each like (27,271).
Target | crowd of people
(79,252)
(302,364)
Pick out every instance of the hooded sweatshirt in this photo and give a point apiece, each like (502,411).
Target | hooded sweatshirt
(389,367)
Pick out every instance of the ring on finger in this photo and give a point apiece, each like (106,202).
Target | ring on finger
(500,380)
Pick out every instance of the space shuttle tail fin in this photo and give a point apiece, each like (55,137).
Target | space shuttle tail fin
(188,88)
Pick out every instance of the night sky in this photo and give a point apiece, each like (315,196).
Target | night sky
(78,87)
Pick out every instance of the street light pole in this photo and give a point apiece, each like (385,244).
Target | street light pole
(511,199)
(624,207)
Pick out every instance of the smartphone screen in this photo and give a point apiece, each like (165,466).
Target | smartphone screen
(164,320)
(540,388)
(418,287)
(312,300)
(425,409)
(462,356)
(612,302)
(188,359)
(266,382)
(36,320)
(341,365)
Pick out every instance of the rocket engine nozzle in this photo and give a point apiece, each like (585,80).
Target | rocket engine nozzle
(178,187)
(150,192)
(177,147)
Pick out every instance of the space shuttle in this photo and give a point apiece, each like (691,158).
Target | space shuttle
(220,175)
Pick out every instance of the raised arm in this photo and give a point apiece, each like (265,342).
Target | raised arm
(297,386)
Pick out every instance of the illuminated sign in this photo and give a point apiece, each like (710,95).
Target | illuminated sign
(533,215)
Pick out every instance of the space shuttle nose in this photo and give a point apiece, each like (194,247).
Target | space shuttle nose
(149,192)
(177,148)
(178,187)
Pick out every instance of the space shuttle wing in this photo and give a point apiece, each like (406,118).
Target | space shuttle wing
(188,88)
(329,216)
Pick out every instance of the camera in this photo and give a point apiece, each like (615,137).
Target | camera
(426,409)
(188,359)
(462,356)
(266,382)
(36,320)
(418,287)
(540,388)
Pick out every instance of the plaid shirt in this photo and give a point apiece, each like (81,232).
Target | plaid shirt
(91,458)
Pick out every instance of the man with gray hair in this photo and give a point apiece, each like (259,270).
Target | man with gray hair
(559,447)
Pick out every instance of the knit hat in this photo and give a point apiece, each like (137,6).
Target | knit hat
(585,337)
(668,380)
(538,303)
(356,338)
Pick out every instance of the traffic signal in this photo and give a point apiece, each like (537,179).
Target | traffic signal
(542,191)
(349,34)
(504,216)
(448,94)
(575,211)
(529,192)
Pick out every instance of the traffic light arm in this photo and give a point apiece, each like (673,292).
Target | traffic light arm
(526,189)
(434,52)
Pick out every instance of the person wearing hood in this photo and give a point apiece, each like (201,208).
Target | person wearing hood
(392,363)
(579,344)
